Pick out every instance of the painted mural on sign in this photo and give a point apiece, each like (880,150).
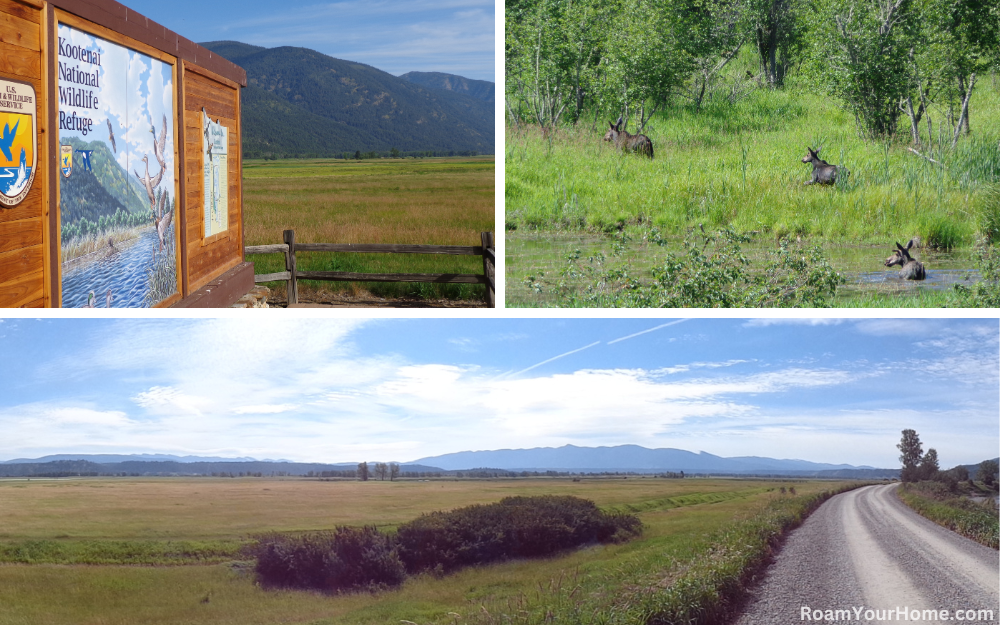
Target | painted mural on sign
(117,188)
(17,141)
(215,148)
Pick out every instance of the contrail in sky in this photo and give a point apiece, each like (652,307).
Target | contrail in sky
(632,336)
(557,357)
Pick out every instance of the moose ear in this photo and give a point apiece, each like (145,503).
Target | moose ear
(910,244)
(817,151)
(619,122)
(899,247)
(612,124)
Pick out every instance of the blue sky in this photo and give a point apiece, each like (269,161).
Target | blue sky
(452,36)
(327,390)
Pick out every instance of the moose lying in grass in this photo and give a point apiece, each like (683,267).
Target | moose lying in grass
(823,172)
(912,269)
(624,141)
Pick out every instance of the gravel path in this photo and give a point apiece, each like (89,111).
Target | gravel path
(866,554)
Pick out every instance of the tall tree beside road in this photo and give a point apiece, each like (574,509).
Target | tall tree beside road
(911,452)
(929,465)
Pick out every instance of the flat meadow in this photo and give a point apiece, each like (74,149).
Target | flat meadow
(737,164)
(49,527)
(431,201)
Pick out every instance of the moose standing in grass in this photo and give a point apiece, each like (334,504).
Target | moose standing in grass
(823,172)
(624,141)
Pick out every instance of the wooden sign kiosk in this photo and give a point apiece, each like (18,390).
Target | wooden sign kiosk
(120,162)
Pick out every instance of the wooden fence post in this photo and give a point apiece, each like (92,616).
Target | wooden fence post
(293,286)
(489,269)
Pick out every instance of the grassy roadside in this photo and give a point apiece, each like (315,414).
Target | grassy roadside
(439,201)
(703,587)
(955,512)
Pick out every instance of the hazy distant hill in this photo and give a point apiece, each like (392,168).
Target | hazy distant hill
(631,458)
(301,102)
(106,458)
(481,89)
(69,467)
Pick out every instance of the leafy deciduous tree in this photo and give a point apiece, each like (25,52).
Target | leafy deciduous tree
(911,452)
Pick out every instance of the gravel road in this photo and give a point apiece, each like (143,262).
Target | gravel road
(866,554)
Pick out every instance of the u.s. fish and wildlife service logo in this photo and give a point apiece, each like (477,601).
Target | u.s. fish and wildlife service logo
(66,160)
(18,141)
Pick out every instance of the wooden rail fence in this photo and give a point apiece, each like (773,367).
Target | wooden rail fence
(290,248)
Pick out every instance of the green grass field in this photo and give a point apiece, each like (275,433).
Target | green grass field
(739,165)
(433,201)
(679,516)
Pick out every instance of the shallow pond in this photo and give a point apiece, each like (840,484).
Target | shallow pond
(534,253)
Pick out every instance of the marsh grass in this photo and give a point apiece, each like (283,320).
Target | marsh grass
(118,552)
(441,201)
(740,166)
(680,519)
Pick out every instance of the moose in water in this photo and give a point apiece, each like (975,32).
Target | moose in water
(911,269)
(823,172)
(624,141)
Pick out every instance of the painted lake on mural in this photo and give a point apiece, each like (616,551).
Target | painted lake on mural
(128,270)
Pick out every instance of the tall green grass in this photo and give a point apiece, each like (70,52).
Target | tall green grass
(702,588)
(147,552)
(412,201)
(739,165)
(959,514)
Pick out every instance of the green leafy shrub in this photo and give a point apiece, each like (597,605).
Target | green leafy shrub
(959,514)
(516,527)
(712,272)
(986,292)
(346,559)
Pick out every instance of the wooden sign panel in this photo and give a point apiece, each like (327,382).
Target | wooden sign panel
(110,193)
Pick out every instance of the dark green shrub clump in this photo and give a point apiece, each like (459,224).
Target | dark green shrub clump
(516,527)
(346,559)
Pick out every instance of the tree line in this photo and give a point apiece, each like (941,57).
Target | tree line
(883,61)
(919,466)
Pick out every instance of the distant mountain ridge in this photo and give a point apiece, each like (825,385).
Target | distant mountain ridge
(632,458)
(301,102)
(106,458)
(74,466)
(481,89)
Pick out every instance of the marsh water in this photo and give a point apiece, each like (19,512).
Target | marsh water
(124,271)
(534,253)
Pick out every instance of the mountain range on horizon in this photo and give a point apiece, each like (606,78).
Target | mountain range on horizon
(625,458)
(299,102)
(568,458)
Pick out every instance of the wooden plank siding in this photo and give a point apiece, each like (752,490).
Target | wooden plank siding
(207,258)
(23,227)
(30,232)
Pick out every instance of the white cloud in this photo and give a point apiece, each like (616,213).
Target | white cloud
(85,416)
(265,409)
(779,321)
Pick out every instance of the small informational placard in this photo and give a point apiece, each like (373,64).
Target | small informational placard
(18,138)
(216,144)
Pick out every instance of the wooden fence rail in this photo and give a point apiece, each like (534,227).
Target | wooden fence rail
(292,274)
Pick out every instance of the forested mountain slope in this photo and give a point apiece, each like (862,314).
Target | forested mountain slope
(301,102)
